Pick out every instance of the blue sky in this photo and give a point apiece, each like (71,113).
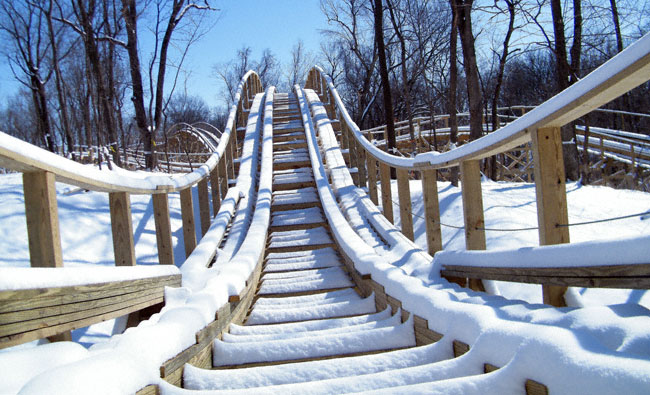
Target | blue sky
(260,24)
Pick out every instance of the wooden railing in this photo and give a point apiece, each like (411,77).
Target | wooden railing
(540,126)
(41,169)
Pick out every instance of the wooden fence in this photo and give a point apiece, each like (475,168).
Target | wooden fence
(540,127)
(19,321)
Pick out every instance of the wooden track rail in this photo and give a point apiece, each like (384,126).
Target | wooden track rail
(539,127)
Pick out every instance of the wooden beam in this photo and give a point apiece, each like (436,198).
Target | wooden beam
(163,229)
(405,210)
(122,227)
(470,173)
(224,177)
(386,197)
(214,188)
(42,219)
(371,164)
(187,212)
(551,198)
(361,165)
(431,210)
(204,205)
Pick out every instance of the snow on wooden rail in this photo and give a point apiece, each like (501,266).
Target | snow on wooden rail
(536,348)
(542,125)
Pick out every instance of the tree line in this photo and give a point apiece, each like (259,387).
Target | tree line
(86,83)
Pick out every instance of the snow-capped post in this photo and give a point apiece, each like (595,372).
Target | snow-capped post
(551,198)
(404,194)
(187,213)
(431,210)
(386,197)
(344,139)
(163,229)
(214,187)
(230,170)
(354,159)
(42,216)
(204,205)
(122,228)
(470,173)
(371,163)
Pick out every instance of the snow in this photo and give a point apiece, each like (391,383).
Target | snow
(15,278)
(334,344)
(595,349)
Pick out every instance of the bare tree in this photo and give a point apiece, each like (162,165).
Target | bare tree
(391,144)
(21,22)
(301,61)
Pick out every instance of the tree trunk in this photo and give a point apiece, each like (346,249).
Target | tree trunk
(383,72)
(130,17)
(464,11)
(453,86)
(563,78)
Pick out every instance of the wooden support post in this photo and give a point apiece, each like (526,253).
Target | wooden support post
(361,165)
(470,173)
(224,176)
(163,229)
(371,164)
(204,205)
(230,165)
(122,227)
(214,185)
(551,198)
(42,219)
(431,210)
(386,197)
(187,212)
(405,211)
(354,159)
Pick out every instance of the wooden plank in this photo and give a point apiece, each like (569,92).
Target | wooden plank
(26,320)
(42,219)
(224,178)
(187,212)
(460,348)
(39,297)
(386,196)
(108,313)
(122,228)
(551,198)
(431,211)
(204,205)
(149,390)
(578,277)
(354,158)
(163,229)
(371,164)
(405,210)
(535,388)
(214,188)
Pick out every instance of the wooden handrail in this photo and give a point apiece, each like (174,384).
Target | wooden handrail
(540,126)
(30,314)
(42,168)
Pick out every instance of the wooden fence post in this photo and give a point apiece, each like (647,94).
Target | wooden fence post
(224,176)
(470,173)
(122,227)
(431,211)
(361,165)
(163,229)
(187,212)
(404,193)
(204,205)
(386,197)
(551,198)
(354,158)
(214,185)
(42,219)
(371,164)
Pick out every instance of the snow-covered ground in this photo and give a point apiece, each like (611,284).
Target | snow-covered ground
(512,206)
